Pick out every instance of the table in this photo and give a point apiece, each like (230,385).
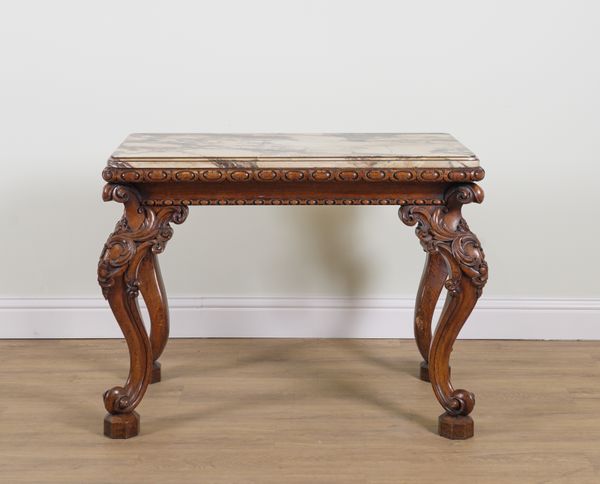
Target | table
(158,176)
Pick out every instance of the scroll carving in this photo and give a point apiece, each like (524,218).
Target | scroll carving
(141,231)
(126,246)
(443,231)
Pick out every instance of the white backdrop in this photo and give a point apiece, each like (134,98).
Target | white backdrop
(515,81)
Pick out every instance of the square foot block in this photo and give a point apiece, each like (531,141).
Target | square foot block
(155,372)
(455,427)
(122,426)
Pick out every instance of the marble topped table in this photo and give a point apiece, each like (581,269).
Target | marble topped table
(157,176)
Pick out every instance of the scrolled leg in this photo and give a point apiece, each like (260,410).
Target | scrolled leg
(141,233)
(443,231)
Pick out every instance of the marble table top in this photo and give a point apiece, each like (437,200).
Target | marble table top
(328,150)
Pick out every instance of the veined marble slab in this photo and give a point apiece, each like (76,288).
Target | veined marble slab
(339,150)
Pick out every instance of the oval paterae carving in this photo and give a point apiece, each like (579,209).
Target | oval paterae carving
(157,175)
(348,175)
(131,176)
(212,175)
(321,175)
(147,175)
(404,175)
(239,175)
(430,175)
(458,176)
(294,175)
(376,175)
(266,175)
(107,174)
(185,175)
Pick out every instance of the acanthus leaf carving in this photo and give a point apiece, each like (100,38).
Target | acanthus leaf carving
(127,245)
(442,228)
(141,230)
(443,232)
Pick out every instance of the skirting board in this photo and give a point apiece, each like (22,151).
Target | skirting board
(303,318)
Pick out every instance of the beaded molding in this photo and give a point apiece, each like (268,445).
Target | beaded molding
(295,201)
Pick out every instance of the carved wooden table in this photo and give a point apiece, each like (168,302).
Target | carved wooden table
(157,176)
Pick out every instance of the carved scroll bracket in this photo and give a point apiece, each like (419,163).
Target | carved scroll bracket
(141,228)
(443,229)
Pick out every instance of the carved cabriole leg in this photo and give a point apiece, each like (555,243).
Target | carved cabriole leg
(443,231)
(155,296)
(141,233)
(434,275)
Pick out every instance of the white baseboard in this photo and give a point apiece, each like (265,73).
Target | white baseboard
(303,318)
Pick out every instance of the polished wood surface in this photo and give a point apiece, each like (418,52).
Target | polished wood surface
(127,265)
(444,233)
(297,411)
(154,196)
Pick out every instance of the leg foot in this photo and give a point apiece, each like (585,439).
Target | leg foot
(444,232)
(122,426)
(155,372)
(141,234)
(455,427)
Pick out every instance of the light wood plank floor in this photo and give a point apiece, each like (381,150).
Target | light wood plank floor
(300,411)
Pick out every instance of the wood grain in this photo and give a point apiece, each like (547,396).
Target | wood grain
(297,411)
(127,265)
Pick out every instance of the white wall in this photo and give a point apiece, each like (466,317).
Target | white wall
(516,81)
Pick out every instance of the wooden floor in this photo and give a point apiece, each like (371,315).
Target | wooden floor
(300,411)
